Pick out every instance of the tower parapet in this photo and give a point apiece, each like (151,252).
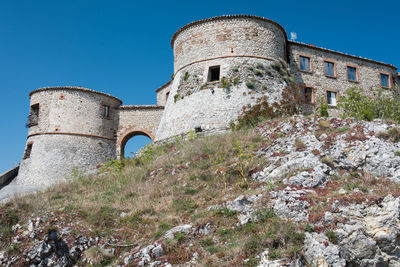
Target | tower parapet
(69,128)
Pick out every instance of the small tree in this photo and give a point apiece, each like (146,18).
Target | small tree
(323,107)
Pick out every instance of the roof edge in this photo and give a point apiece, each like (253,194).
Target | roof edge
(72,88)
(163,86)
(341,53)
(131,107)
(197,22)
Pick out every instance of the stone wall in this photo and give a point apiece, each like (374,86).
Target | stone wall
(237,44)
(54,157)
(194,102)
(163,93)
(71,133)
(74,110)
(368,70)
(137,120)
(228,36)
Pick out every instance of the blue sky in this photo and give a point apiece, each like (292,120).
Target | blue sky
(123,47)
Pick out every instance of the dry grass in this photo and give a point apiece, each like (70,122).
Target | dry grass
(168,185)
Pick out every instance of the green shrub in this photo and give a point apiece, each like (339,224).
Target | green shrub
(323,107)
(382,105)
(250,84)
(332,236)
(397,153)
(257,72)
(208,242)
(225,83)
(186,77)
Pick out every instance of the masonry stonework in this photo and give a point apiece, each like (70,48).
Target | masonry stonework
(221,64)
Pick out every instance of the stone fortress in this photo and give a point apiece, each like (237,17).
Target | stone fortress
(221,64)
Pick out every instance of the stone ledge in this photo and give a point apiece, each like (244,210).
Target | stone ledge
(140,107)
(225,17)
(72,88)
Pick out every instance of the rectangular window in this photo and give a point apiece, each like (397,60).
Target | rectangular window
(330,69)
(385,80)
(106,111)
(305,64)
(308,95)
(331,98)
(351,74)
(28,151)
(166,95)
(213,73)
(33,118)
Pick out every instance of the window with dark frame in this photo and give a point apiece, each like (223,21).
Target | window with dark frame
(33,118)
(106,111)
(331,98)
(351,74)
(385,80)
(28,151)
(305,63)
(329,69)
(308,95)
(213,73)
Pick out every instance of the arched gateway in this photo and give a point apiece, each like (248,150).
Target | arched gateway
(137,120)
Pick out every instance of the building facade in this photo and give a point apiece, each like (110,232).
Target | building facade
(221,65)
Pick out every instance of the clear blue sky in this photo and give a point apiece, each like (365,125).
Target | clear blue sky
(123,47)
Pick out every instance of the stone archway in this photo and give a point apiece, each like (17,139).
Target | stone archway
(127,136)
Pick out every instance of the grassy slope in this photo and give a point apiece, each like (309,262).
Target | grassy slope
(168,185)
(174,184)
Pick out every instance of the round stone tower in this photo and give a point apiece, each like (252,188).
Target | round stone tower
(220,65)
(70,128)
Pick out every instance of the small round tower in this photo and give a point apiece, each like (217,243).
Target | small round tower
(220,65)
(70,128)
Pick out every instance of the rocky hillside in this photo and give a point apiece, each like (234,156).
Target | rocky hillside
(299,191)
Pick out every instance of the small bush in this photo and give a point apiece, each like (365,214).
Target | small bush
(208,242)
(250,84)
(225,83)
(332,236)
(179,237)
(257,73)
(397,153)
(309,228)
(186,77)
(323,108)
(225,212)
(393,134)
(382,105)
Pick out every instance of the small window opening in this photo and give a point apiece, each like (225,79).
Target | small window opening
(28,151)
(384,80)
(308,95)
(330,69)
(352,74)
(33,118)
(166,96)
(331,98)
(106,111)
(213,73)
(305,63)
